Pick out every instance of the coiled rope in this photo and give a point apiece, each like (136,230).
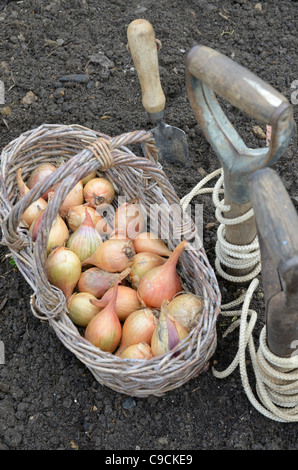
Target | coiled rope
(276,377)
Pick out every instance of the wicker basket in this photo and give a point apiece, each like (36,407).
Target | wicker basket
(81,151)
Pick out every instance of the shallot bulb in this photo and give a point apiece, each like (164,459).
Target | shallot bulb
(129,218)
(104,330)
(86,239)
(89,177)
(187,309)
(163,282)
(113,255)
(119,233)
(74,198)
(35,208)
(40,173)
(127,301)
(63,268)
(168,333)
(149,242)
(137,351)
(99,193)
(58,235)
(141,264)
(137,328)
(76,215)
(97,282)
(80,309)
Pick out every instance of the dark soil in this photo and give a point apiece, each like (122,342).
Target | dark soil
(48,399)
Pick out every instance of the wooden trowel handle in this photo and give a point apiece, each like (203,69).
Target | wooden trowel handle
(142,46)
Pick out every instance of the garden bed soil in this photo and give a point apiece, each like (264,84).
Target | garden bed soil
(48,399)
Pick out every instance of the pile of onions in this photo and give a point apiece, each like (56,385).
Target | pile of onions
(121,283)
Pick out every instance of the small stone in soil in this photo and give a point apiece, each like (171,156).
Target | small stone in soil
(128,403)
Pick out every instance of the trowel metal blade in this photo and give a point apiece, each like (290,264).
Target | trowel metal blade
(171,143)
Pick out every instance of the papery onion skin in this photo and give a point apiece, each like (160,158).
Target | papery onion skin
(35,208)
(85,240)
(113,255)
(187,309)
(63,268)
(127,301)
(80,309)
(141,264)
(39,173)
(76,215)
(168,333)
(88,177)
(96,281)
(74,198)
(119,233)
(149,242)
(137,351)
(163,282)
(137,328)
(58,234)
(99,192)
(104,330)
(130,219)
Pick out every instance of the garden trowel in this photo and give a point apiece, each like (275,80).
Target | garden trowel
(171,142)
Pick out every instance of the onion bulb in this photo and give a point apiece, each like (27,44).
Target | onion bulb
(141,264)
(137,328)
(80,309)
(163,282)
(40,173)
(76,215)
(104,330)
(119,233)
(137,351)
(74,198)
(99,193)
(168,333)
(35,208)
(97,282)
(113,255)
(129,217)
(58,234)
(187,309)
(127,301)
(86,239)
(89,177)
(149,242)
(63,268)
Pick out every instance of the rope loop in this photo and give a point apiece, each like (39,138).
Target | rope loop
(276,378)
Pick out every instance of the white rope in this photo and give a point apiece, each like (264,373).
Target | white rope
(276,378)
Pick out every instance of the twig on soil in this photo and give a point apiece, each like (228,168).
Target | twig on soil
(227,32)
(3,303)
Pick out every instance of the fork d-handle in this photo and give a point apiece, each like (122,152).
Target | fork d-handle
(235,83)
(277,224)
(142,47)
(209,72)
